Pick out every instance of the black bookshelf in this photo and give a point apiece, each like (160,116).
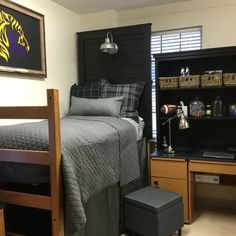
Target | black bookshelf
(204,132)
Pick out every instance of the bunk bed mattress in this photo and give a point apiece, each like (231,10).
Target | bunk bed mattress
(97,152)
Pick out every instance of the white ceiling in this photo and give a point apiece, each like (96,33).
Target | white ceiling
(89,6)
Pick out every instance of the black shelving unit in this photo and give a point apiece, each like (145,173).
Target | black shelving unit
(204,132)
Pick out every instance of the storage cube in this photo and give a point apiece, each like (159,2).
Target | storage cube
(153,212)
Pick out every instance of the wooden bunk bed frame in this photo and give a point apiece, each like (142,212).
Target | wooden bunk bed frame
(51,158)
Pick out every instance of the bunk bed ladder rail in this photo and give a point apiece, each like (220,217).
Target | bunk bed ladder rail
(51,158)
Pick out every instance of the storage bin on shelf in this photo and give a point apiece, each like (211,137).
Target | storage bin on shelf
(190,81)
(168,82)
(229,79)
(211,80)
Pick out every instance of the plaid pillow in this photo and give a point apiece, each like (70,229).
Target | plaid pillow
(131,92)
(91,90)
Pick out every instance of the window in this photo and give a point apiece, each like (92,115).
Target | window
(171,41)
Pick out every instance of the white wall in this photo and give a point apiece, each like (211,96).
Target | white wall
(216,16)
(61,26)
(104,19)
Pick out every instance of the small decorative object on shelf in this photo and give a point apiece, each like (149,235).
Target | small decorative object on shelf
(184,108)
(229,79)
(164,143)
(232,110)
(217,107)
(196,108)
(168,109)
(208,110)
(182,71)
(187,72)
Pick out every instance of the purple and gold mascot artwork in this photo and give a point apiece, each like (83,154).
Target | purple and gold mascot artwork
(10,42)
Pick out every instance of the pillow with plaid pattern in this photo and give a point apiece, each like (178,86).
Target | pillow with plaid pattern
(130,92)
(91,90)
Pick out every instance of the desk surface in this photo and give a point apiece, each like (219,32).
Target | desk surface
(189,155)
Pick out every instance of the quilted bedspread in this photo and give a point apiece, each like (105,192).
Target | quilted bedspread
(96,152)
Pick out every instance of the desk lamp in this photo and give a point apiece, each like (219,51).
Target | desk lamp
(183,124)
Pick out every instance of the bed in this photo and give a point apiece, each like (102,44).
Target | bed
(100,175)
(103,210)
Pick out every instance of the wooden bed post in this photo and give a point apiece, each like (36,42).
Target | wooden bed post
(55,165)
(2,227)
(51,158)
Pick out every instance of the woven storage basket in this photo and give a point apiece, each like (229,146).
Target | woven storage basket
(229,79)
(191,81)
(213,80)
(168,82)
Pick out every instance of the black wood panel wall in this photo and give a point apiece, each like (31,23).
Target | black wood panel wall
(131,63)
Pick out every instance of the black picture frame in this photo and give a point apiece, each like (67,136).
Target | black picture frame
(22,40)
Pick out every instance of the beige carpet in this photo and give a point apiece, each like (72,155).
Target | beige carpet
(212,222)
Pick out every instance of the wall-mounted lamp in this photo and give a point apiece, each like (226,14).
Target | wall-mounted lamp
(109,46)
(183,124)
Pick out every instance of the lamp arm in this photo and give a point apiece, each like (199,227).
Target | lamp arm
(177,115)
(171,118)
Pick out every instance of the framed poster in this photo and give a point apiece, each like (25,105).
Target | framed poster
(22,40)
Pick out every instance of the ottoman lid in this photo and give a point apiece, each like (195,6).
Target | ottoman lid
(153,199)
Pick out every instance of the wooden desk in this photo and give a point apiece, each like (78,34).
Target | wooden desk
(2,227)
(205,166)
(176,173)
(171,174)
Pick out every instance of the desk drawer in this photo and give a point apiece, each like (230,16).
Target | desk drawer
(176,169)
(228,168)
(174,185)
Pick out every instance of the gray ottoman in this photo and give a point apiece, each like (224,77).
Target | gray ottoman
(153,212)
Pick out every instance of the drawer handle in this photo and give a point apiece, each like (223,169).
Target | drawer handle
(156,184)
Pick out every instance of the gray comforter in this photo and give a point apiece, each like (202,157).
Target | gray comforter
(96,152)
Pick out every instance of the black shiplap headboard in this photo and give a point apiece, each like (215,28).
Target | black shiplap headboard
(131,63)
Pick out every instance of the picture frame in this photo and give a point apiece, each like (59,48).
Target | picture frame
(22,40)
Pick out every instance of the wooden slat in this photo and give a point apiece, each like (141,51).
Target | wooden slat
(14,234)
(2,225)
(25,156)
(25,199)
(55,158)
(35,112)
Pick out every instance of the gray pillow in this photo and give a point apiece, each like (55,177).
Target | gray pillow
(96,107)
